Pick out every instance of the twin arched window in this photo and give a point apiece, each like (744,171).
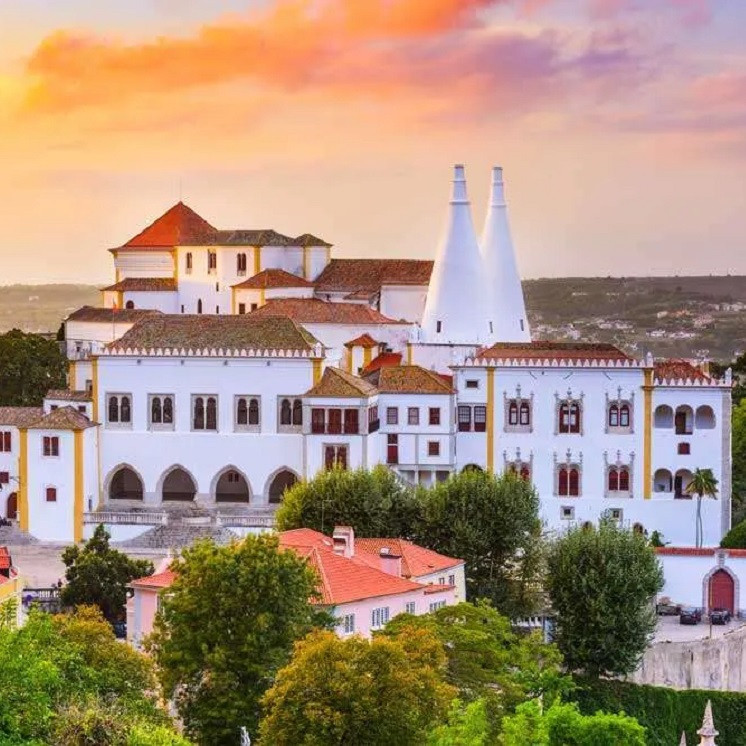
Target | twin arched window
(519,413)
(569,417)
(205,413)
(291,412)
(162,410)
(568,481)
(247,411)
(618,479)
(619,415)
(119,409)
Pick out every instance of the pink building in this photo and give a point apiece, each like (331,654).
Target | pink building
(363,582)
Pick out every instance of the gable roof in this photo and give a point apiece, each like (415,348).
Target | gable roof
(541,350)
(143,284)
(364,340)
(678,370)
(316,311)
(110,315)
(338,383)
(273,278)
(20,416)
(385,359)
(207,332)
(408,379)
(64,418)
(370,274)
(156,580)
(178,226)
(6,562)
(416,560)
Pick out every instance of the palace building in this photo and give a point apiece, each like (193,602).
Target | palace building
(225,365)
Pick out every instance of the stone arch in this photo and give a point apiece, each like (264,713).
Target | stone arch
(11,507)
(663,417)
(230,485)
(736,587)
(177,484)
(278,482)
(681,481)
(704,418)
(129,305)
(124,482)
(683,420)
(662,481)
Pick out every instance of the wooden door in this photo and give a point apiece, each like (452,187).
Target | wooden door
(722,591)
(11,512)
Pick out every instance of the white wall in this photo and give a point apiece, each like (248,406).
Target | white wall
(144,263)
(334,336)
(165,301)
(84,338)
(403,301)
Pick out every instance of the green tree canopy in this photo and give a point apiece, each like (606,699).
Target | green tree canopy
(227,625)
(98,575)
(355,691)
(30,365)
(738,457)
(563,725)
(492,523)
(374,502)
(468,725)
(602,582)
(736,537)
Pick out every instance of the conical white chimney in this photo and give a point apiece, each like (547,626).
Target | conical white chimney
(456,309)
(506,304)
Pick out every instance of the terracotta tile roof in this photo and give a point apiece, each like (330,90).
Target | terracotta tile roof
(698,552)
(6,561)
(384,360)
(110,315)
(364,340)
(199,332)
(552,351)
(144,284)
(366,295)
(67,395)
(416,561)
(677,370)
(338,383)
(370,274)
(315,311)
(273,278)
(20,416)
(308,239)
(64,418)
(263,237)
(157,580)
(179,226)
(408,379)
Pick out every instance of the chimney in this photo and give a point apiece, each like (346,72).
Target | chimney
(390,562)
(507,308)
(344,541)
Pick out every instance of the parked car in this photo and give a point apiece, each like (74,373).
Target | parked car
(720,616)
(690,615)
(667,609)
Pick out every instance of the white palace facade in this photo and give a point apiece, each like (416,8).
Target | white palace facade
(224,365)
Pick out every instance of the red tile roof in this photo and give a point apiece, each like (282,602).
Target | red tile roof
(143,284)
(157,580)
(177,227)
(408,379)
(385,359)
(315,311)
(364,340)
(416,560)
(552,351)
(6,561)
(273,278)
(111,315)
(339,383)
(20,416)
(64,418)
(698,552)
(369,274)
(68,395)
(677,370)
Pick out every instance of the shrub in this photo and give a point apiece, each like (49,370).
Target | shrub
(736,537)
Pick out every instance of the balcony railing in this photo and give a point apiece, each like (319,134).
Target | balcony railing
(138,519)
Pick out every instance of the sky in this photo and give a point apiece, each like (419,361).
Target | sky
(621,126)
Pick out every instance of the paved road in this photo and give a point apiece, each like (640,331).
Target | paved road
(670,630)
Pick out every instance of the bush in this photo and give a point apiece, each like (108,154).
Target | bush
(736,537)
(664,712)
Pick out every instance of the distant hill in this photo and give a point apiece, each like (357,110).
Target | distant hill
(669,316)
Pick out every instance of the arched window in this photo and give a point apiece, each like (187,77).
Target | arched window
(513,413)
(286,413)
(199,413)
(168,410)
(130,304)
(563,482)
(638,528)
(211,422)
(297,412)
(199,305)
(613,480)
(524,414)
(156,411)
(624,480)
(525,473)
(624,415)
(125,411)
(242,411)
(241,264)
(574,486)
(254,412)
(613,416)
(113,409)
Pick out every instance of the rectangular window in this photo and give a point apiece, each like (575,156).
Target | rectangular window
(51,494)
(334,423)
(51,445)
(335,457)
(472,384)
(480,419)
(684,449)
(4,477)
(392,449)
(464,419)
(436,605)
(567,512)
(254,306)
(352,425)
(451,580)
(6,441)
(434,415)
(433,448)
(410,607)
(241,308)
(413,416)
(373,422)
(379,617)
(348,623)
(392,416)
(212,262)
(82,408)
(188,263)
(317,420)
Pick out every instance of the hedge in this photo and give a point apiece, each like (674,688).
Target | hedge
(666,712)
(736,537)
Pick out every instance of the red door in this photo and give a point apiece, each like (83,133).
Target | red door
(722,591)
(392,449)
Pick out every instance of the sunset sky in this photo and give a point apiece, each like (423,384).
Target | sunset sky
(621,125)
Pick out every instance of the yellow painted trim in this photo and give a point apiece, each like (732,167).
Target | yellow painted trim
(120,299)
(117,274)
(72,378)
(410,356)
(233,301)
(305,262)
(78,497)
(23,479)
(317,370)
(647,448)
(175,255)
(367,356)
(94,391)
(490,419)
(350,356)
(262,300)
(257,259)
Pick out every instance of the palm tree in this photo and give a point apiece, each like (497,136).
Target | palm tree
(703,484)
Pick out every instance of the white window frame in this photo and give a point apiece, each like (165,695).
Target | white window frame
(118,425)
(217,413)
(161,425)
(435,605)
(410,607)
(59,446)
(288,428)
(379,617)
(348,624)
(247,428)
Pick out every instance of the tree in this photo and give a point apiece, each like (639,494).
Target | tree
(563,725)
(736,537)
(492,523)
(468,725)
(30,365)
(375,503)
(98,575)
(703,484)
(738,460)
(601,582)
(227,625)
(355,691)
